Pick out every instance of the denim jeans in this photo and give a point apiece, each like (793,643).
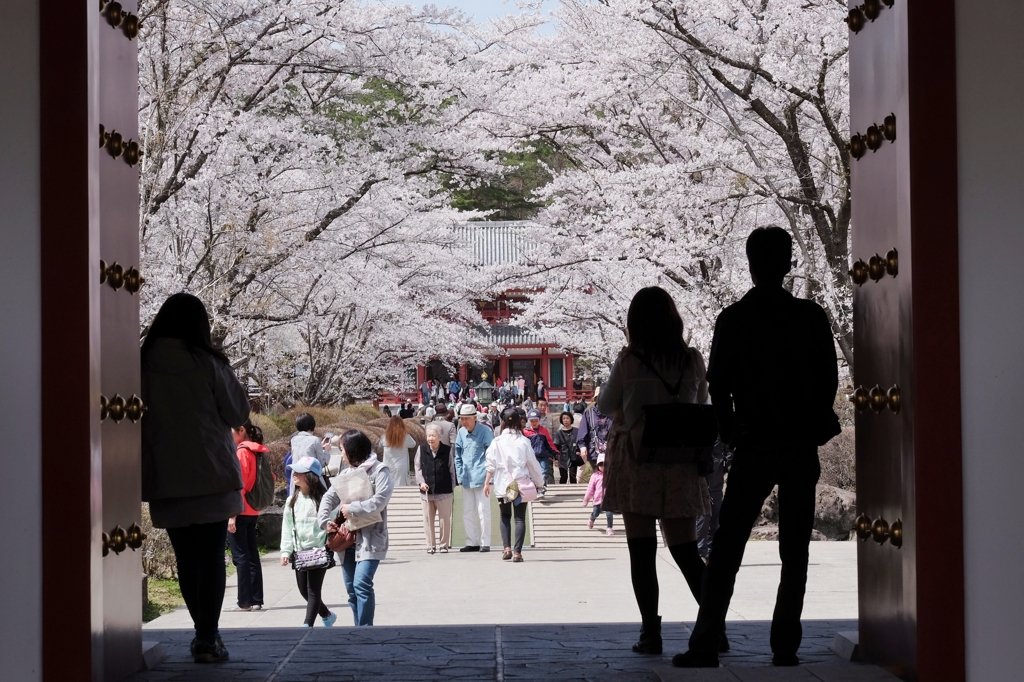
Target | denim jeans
(199,553)
(359,584)
(246,558)
(596,511)
(545,468)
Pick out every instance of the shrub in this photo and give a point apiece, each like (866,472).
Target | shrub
(838,460)
(270,426)
(157,554)
(322,415)
(360,413)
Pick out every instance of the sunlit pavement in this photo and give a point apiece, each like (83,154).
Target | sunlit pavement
(563,614)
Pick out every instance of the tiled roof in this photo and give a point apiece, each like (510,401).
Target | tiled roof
(496,242)
(509,335)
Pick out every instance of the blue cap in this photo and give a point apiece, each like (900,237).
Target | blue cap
(533,414)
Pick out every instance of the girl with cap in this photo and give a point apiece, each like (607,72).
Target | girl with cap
(299,531)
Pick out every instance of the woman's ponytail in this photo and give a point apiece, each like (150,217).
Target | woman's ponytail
(254,432)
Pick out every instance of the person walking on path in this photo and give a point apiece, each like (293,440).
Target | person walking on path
(435,476)
(593,432)
(569,460)
(425,392)
(397,442)
(449,431)
(543,446)
(595,493)
(510,459)
(300,530)
(767,338)
(305,443)
(655,368)
(245,554)
(359,562)
(471,471)
(707,526)
(190,472)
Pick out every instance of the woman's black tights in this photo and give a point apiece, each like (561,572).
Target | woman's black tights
(567,474)
(311,585)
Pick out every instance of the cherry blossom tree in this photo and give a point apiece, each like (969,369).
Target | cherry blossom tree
(687,125)
(294,158)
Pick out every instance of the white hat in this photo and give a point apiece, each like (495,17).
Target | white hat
(467,410)
(600,458)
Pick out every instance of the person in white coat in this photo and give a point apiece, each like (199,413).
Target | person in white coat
(510,458)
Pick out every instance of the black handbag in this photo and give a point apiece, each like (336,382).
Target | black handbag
(676,432)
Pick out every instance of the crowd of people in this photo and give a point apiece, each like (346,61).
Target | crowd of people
(645,441)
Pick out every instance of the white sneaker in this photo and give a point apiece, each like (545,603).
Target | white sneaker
(609,532)
(590,523)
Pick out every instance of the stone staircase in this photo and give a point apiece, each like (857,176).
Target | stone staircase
(558,520)
(405,519)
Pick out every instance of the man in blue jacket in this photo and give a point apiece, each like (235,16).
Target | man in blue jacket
(471,470)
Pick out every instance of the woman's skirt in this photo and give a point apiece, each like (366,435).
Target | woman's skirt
(667,491)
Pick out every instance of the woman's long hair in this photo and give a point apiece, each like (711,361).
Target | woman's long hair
(394,436)
(316,490)
(183,317)
(655,328)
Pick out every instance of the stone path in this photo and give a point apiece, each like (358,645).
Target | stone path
(581,585)
(598,652)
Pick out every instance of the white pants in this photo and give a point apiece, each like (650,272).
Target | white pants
(476,517)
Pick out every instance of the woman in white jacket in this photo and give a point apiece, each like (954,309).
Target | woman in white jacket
(510,457)
(359,563)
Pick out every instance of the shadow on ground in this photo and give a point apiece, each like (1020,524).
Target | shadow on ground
(599,652)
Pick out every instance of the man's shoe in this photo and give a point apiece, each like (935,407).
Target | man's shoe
(506,555)
(688,659)
(470,548)
(785,660)
(209,653)
(485,548)
(650,638)
(517,558)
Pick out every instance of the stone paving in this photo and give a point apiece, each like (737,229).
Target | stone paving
(598,652)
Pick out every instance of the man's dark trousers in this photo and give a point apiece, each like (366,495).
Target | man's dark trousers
(755,471)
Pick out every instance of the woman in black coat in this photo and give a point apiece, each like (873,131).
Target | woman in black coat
(569,460)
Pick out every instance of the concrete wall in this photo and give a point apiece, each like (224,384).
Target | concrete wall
(20,273)
(990,136)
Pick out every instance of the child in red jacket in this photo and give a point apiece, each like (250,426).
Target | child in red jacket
(242,528)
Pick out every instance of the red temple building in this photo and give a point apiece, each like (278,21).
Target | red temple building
(524,353)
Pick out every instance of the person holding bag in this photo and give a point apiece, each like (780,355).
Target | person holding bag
(644,484)
(515,472)
(359,561)
(569,459)
(303,542)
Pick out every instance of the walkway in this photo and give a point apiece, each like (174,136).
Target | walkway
(505,652)
(580,585)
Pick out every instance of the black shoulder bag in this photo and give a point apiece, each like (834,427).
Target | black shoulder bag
(676,432)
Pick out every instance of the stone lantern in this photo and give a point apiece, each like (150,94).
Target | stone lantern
(485,393)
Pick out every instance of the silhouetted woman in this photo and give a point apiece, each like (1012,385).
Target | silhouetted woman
(647,492)
(190,473)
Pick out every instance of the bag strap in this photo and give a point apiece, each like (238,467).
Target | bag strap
(672,390)
(295,536)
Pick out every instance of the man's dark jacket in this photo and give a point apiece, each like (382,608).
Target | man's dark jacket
(772,372)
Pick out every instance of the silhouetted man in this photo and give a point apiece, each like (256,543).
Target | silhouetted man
(767,346)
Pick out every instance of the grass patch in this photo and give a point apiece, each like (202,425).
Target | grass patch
(164,597)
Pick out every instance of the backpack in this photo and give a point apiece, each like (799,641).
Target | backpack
(262,494)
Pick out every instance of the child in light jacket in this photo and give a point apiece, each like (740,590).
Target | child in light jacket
(595,492)
(300,530)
